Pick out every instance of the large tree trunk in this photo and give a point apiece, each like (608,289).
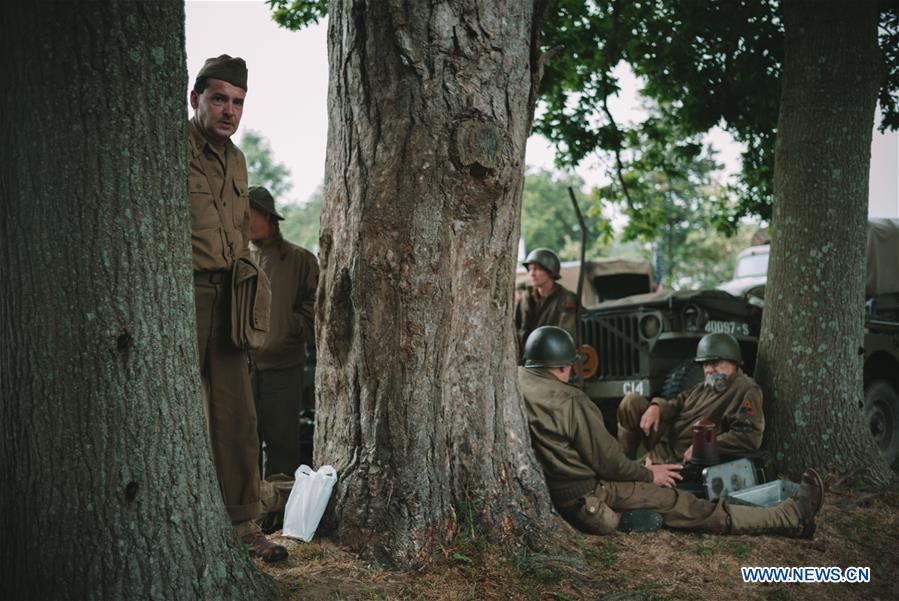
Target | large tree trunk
(108,486)
(810,366)
(418,408)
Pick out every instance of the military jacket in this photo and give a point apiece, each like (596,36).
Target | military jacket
(739,404)
(557,309)
(293,272)
(219,202)
(569,435)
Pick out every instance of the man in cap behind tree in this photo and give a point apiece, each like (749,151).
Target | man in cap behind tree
(220,233)
(544,302)
(727,397)
(277,373)
(591,481)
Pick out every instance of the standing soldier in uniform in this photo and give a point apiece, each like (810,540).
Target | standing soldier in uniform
(220,229)
(590,480)
(277,374)
(727,397)
(544,302)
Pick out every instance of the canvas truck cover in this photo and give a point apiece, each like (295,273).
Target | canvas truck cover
(610,278)
(604,279)
(882,257)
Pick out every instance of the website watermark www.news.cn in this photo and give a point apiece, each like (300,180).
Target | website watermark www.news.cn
(806,574)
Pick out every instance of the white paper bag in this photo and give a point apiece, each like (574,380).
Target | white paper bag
(308,500)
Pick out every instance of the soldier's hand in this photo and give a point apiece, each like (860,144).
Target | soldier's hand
(665,475)
(650,419)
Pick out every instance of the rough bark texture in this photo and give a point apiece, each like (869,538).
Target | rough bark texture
(108,486)
(809,365)
(430,105)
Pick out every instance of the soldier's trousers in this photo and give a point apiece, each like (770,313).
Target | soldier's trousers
(230,410)
(630,435)
(278,395)
(679,509)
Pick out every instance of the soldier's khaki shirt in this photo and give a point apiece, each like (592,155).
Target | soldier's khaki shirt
(740,403)
(569,435)
(219,202)
(557,309)
(293,272)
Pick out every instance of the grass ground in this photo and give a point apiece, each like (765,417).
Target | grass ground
(855,528)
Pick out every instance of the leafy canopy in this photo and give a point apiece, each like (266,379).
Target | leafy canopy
(707,63)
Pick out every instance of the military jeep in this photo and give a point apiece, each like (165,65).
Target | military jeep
(645,343)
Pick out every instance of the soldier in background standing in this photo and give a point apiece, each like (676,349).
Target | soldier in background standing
(277,373)
(544,302)
(220,230)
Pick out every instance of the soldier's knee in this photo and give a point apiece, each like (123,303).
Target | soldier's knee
(631,409)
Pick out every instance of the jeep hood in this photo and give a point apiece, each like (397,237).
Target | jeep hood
(717,300)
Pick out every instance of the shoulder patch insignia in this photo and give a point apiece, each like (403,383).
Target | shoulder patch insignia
(745,409)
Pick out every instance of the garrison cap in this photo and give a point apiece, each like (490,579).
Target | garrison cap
(232,70)
(262,200)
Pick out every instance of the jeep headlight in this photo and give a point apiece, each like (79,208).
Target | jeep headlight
(694,317)
(650,326)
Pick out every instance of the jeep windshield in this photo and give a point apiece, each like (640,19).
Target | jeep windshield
(751,266)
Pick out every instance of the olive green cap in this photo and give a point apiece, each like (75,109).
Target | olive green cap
(226,68)
(547,259)
(262,200)
(719,345)
(549,346)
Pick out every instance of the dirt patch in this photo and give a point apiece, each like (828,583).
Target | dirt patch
(855,528)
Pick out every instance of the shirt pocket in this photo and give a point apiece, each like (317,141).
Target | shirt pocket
(241,206)
(202,207)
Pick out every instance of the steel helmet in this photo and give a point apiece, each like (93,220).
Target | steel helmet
(549,346)
(717,346)
(547,259)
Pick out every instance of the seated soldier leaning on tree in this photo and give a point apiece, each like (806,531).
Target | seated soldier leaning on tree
(728,397)
(590,480)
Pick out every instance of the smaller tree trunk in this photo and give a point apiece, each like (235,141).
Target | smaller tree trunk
(809,363)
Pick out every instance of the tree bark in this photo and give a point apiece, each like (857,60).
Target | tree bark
(430,105)
(810,365)
(108,486)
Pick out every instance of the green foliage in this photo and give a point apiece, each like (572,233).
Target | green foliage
(261,165)
(531,566)
(710,62)
(548,218)
(296,14)
(301,222)
(609,552)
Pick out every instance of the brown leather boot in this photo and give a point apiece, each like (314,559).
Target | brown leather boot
(258,545)
(808,501)
(795,517)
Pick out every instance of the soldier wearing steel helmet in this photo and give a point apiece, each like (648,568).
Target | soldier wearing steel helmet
(597,489)
(544,302)
(727,397)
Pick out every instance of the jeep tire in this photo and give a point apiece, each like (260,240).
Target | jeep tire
(683,377)
(882,414)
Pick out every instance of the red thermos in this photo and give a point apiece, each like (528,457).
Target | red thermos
(705,446)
